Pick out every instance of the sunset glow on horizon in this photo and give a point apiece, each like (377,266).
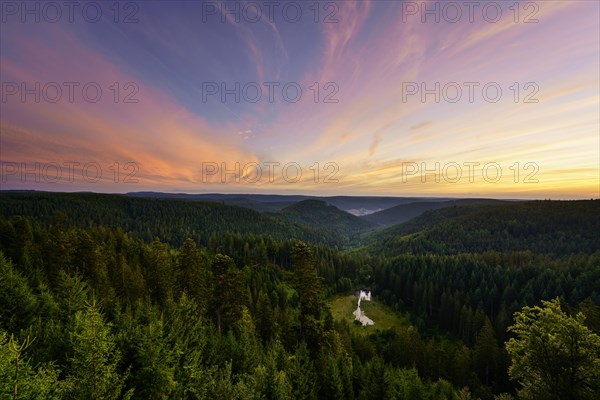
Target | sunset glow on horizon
(345,98)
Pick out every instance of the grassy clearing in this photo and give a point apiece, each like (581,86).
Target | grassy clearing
(343,306)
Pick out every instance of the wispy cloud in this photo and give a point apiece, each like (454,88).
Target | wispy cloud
(362,61)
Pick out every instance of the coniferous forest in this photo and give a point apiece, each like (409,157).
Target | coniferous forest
(118,297)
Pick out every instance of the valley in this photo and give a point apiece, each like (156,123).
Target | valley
(249,288)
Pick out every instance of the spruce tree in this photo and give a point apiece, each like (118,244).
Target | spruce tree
(486,353)
(93,369)
(309,287)
(228,295)
(18,379)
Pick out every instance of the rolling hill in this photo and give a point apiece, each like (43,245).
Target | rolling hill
(172,220)
(404,212)
(554,228)
(325,218)
(357,205)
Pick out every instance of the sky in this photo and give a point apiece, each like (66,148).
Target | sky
(440,98)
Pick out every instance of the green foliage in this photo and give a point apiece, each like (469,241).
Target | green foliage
(186,341)
(228,292)
(17,301)
(18,379)
(144,336)
(342,308)
(302,375)
(161,276)
(309,287)
(504,396)
(326,220)
(404,212)
(237,310)
(94,366)
(306,281)
(457,292)
(193,276)
(272,380)
(486,354)
(171,220)
(554,355)
(555,228)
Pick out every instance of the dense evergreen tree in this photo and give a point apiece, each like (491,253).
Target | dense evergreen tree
(94,365)
(228,295)
(198,312)
(486,354)
(309,287)
(19,379)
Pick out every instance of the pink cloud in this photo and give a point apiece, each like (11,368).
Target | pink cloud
(168,142)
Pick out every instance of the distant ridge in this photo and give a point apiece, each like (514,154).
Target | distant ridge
(404,212)
(276,202)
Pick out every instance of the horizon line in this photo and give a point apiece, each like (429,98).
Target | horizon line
(441,197)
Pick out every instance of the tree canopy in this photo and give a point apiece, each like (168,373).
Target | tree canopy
(554,355)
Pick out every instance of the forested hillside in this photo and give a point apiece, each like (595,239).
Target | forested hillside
(96,313)
(555,228)
(329,220)
(404,212)
(274,202)
(173,220)
(92,307)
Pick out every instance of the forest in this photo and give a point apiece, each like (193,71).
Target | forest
(117,297)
